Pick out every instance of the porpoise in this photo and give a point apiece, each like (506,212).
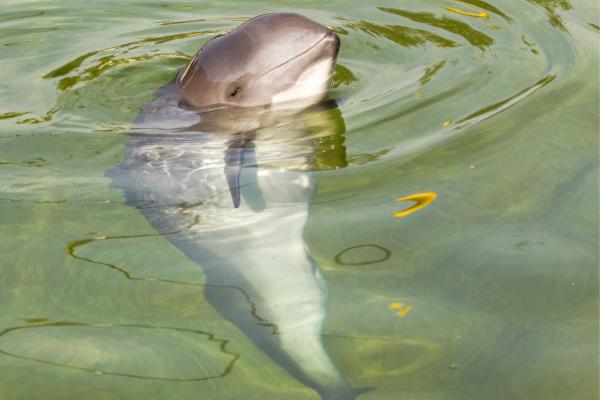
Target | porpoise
(220,163)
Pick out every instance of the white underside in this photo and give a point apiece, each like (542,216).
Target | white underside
(312,84)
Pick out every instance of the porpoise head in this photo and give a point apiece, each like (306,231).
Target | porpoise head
(271,59)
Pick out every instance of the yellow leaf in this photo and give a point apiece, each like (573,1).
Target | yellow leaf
(403,312)
(421,200)
(480,14)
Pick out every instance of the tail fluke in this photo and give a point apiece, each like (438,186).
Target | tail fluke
(347,393)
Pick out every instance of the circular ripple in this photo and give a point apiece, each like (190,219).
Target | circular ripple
(375,253)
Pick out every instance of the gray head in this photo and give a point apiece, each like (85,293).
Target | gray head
(270,59)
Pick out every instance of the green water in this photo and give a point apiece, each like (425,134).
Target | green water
(494,284)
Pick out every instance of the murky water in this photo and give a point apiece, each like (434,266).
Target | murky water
(490,291)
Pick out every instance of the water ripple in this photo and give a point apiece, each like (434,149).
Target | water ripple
(43,323)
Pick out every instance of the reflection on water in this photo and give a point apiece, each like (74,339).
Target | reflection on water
(473,36)
(495,108)
(402,35)
(431,71)
(491,293)
(551,7)
(103,64)
(10,115)
(365,158)
(34,162)
(109,61)
(343,76)
(486,6)
(19,15)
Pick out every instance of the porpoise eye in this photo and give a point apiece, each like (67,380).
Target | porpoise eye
(234,92)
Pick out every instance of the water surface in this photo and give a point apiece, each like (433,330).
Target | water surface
(489,292)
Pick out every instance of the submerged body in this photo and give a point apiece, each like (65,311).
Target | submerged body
(227,179)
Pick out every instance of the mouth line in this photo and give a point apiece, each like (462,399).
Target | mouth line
(298,55)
